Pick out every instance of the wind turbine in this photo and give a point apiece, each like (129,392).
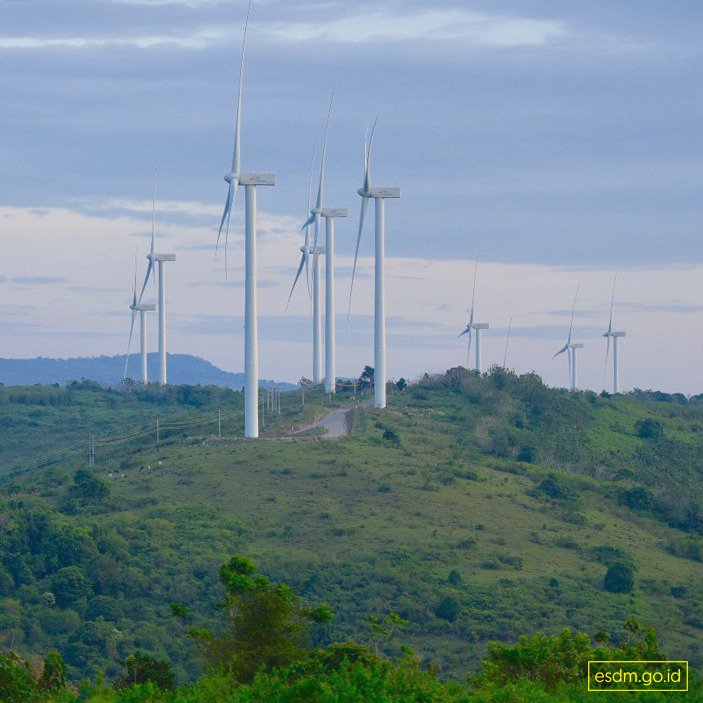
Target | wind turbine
(570,348)
(380,195)
(614,335)
(154,258)
(507,342)
(473,327)
(141,308)
(317,252)
(250,181)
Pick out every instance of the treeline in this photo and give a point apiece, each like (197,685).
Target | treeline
(259,650)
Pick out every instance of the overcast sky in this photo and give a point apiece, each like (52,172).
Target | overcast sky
(559,140)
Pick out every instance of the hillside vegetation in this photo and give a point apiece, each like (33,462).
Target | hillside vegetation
(478,508)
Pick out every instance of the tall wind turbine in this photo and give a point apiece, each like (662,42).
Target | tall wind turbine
(474,328)
(614,335)
(380,195)
(571,348)
(157,261)
(250,181)
(142,309)
(317,252)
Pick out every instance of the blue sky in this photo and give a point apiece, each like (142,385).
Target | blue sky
(562,135)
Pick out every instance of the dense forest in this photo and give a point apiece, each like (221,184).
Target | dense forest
(475,509)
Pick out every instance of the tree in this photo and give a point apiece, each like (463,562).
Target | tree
(401,384)
(649,428)
(267,625)
(384,630)
(140,668)
(69,584)
(447,609)
(619,578)
(53,675)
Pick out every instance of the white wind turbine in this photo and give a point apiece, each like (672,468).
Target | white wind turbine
(154,258)
(614,335)
(474,328)
(379,195)
(250,181)
(142,309)
(571,348)
(316,251)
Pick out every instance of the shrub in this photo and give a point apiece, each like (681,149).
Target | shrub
(141,668)
(447,609)
(619,578)
(649,428)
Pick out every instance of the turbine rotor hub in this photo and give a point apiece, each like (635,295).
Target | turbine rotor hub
(231,176)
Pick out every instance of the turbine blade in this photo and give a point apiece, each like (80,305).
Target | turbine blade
(573,312)
(129,344)
(561,351)
(310,221)
(612,302)
(236,154)
(468,352)
(153,216)
(473,294)
(323,162)
(362,217)
(369,144)
(463,333)
(149,270)
(571,351)
(297,276)
(607,350)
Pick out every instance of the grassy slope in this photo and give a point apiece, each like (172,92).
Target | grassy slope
(373,525)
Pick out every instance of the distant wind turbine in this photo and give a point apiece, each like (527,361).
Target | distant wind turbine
(570,348)
(380,195)
(154,258)
(507,343)
(250,181)
(614,335)
(474,328)
(141,308)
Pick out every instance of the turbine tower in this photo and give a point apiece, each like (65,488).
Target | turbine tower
(329,214)
(571,348)
(141,308)
(153,258)
(474,328)
(380,195)
(614,335)
(250,182)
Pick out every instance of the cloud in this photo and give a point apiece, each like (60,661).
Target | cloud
(435,25)
(200,39)
(36,280)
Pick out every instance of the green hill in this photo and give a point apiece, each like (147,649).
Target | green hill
(478,508)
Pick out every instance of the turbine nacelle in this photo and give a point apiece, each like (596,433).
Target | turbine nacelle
(379,193)
(615,334)
(163,257)
(575,345)
(143,307)
(330,212)
(312,250)
(257,179)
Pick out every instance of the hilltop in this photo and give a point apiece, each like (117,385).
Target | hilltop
(477,507)
(182,369)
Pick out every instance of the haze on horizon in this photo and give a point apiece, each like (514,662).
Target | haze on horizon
(559,141)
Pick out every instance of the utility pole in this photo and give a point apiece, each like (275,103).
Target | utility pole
(91,451)
(158,433)
(219,424)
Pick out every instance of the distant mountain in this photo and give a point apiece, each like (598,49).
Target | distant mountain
(182,369)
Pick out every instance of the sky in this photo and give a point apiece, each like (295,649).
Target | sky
(559,141)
